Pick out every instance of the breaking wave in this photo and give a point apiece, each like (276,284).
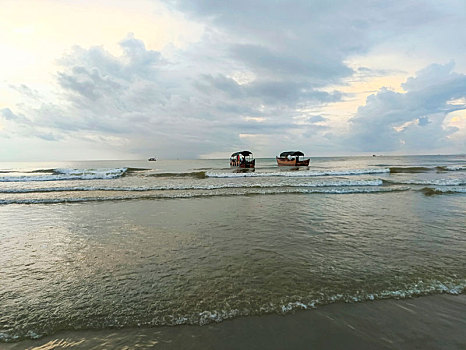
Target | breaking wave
(201,318)
(423,169)
(452,168)
(343,183)
(197,195)
(194,174)
(309,173)
(44,171)
(69,174)
(429,191)
(437,182)
(413,169)
(113,173)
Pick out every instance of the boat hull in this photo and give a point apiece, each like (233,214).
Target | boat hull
(292,162)
(243,165)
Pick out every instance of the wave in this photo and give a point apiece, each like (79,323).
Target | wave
(438,182)
(60,174)
(195,174)
(198,195)
(285,306)
(135,170)
(310,173)
(429,191)
(375,182)
(452,168)
(42,171)
(412,169)
(69,174)
(422,169)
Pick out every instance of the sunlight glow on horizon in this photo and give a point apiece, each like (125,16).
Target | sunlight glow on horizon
(37,33)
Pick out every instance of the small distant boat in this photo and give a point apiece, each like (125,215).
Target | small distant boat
(152,159)
(291,158)
(243,159)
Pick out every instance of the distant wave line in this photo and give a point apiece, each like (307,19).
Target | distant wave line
(435,182)
(422,169)
(198,195)
(376,182)
(63,174)
(307,173)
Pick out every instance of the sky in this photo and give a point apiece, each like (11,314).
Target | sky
(113,79)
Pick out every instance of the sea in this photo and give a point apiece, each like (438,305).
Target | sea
(122,244)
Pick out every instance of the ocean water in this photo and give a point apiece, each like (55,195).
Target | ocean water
(111,244)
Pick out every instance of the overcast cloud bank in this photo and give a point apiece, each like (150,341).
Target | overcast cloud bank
(262,76)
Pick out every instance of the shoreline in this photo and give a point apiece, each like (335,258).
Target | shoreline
(427,322)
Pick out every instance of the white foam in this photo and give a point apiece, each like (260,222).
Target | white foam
(207,317)
(69,174)
(32,335)
(455,167)
(450,190)
(411,290)
(100,172)
(293,306)
(438,182)
(343,183)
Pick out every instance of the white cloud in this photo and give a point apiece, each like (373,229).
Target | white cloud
(412,121)
(262,75)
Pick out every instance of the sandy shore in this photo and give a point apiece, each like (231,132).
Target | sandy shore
(432,322)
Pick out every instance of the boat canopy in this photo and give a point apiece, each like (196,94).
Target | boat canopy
(243,153)
(292,154)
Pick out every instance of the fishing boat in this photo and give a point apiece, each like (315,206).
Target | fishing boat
(152,159)
(242,159)
(292,158)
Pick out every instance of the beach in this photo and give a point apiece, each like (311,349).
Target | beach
(191,174)
(430,322)
(362,252)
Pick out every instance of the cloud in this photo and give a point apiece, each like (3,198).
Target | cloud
(285,92)
(270,70)
(267,62)
(8,114)
(317,119)
(413,120)
(313,39)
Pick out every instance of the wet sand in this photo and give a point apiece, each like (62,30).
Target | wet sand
(430,322)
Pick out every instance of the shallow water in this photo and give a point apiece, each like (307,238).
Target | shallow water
(96,245)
